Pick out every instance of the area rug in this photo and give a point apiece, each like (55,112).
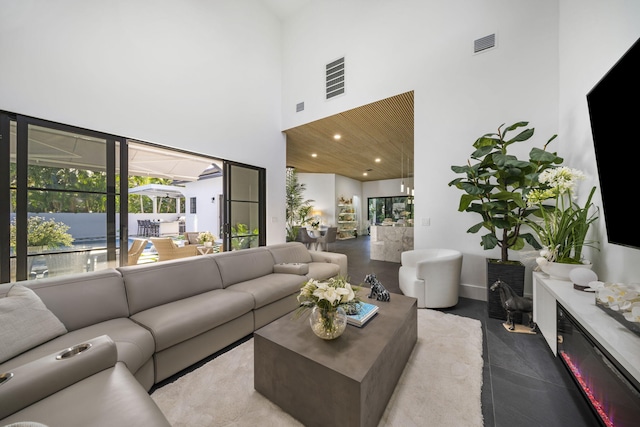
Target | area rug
(440,386)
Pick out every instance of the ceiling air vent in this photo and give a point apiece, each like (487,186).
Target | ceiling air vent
(484,43)
(299,107)
(335,78)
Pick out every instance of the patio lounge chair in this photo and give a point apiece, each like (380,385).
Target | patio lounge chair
(135,251)
(167,249)
(191,237)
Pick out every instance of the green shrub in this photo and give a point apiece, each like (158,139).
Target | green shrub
(43,232)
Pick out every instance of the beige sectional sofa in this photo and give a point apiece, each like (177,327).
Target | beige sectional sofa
(145,323)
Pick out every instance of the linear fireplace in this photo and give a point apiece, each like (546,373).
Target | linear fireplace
(612,392)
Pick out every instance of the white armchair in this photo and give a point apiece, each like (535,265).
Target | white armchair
(431,275)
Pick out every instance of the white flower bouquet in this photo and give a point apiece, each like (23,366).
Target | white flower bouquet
(205,237)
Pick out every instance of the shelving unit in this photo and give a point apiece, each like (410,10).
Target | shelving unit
(347,222)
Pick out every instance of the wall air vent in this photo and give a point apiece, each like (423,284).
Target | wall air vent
(335,78)
(484,43)
(299,107)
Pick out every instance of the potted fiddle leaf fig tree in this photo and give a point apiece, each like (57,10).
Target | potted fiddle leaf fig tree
(298,208)
(495,185)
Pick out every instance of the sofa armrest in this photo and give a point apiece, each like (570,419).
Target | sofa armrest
(33,381)
(332,257)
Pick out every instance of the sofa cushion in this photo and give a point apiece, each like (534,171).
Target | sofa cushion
(134,343)
(323,270)
(175,322)
(83,299)
(290,252)
(247,264)
(25,322)
(152,285)
(270,288)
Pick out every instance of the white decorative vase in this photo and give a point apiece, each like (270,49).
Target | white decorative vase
(208,244)
(560,270)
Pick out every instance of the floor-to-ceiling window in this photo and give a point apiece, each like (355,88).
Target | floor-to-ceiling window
(244,217)
(60,205)
(390,208)
(63,201)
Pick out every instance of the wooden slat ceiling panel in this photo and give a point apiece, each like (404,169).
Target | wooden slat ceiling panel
(383,129)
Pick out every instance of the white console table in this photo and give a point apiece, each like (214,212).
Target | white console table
(615,338)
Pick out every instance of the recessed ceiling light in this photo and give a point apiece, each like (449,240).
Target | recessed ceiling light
(336,136)
(314,155)
(378,160)
(364,174)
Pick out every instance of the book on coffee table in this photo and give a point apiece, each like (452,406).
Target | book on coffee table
(366,311)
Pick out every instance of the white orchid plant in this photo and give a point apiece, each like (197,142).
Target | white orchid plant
(561,227)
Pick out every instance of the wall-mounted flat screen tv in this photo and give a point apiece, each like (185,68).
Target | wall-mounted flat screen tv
(614,110)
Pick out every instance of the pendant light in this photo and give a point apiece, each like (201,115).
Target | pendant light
(408,172)
(402,169)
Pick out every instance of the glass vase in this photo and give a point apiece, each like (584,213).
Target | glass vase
(328,324)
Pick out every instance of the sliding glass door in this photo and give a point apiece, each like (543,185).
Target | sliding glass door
(244,220)
(63,199)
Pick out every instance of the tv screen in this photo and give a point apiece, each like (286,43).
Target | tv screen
(614,110)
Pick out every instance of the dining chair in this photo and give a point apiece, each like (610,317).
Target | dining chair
(305,238)
(329,236)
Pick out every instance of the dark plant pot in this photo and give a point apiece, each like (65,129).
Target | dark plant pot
(510,272)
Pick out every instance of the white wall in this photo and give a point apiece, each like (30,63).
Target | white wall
(326,189)
(320,187)
(427,46)
(593,36)
(207,216)
(201,76)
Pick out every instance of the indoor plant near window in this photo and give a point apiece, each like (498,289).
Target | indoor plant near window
(298,208)
(496,187)
(561,226)
(328,301)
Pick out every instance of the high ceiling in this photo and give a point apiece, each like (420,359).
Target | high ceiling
(380,130)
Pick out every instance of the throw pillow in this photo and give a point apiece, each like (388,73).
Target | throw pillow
(26,322)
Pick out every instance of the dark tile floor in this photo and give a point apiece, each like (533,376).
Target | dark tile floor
(523,384)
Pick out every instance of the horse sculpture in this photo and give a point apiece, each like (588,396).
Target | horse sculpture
(513,303)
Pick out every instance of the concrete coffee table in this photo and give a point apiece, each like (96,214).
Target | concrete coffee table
(347,381)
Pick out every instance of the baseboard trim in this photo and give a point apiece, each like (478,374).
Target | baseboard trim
(473,292)
(477,292)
